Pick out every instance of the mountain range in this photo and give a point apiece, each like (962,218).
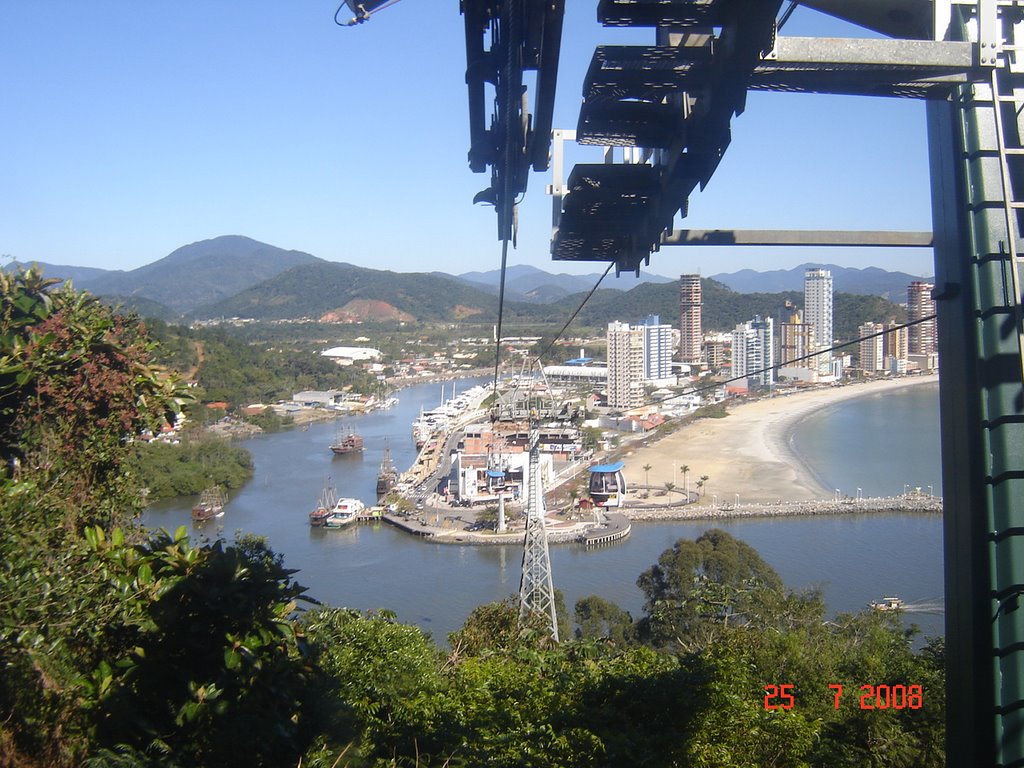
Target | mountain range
(870,281)
(235,276)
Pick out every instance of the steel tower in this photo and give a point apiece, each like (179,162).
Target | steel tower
(536,589)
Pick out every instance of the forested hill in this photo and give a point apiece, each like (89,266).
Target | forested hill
(314,290)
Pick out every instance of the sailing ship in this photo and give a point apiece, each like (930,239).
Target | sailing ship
(210,505)
(347,442)
(388,475)
(323,507)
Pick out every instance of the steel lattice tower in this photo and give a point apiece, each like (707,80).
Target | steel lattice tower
(536,590)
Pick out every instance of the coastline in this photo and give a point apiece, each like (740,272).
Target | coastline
(748,456)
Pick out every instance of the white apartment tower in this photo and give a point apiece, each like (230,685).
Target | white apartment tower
(922,339)
(690,331)
(657,349)
(818,313)
(625,365)
(752,352)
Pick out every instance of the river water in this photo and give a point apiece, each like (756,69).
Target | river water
(854,559)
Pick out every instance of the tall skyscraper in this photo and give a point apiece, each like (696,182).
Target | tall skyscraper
(872,356)
(895,344)
(818,313)
(657,348)
(922,339)
(752,352)
(690,331)
(625,365)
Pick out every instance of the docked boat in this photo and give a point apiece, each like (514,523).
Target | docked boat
(343,513)
(323,508)
(347,442)
(889,604)
(210,505)
(388,475)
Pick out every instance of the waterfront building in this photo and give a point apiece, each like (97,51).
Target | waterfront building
(872,354)
(753,353)
(922,337)
(818,313)
(690,330)
(625,365)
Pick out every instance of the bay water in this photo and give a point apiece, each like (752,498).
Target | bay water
(853,558)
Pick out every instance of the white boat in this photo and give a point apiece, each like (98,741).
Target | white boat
(888,604)
(344,512)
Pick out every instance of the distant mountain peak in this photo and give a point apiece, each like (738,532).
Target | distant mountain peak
(871,281)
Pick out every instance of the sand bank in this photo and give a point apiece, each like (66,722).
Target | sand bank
(747,455)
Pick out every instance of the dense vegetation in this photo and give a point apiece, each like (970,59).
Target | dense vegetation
(230,370)
(167,470)
(121,647)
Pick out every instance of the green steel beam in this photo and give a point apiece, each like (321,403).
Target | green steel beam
(974,174)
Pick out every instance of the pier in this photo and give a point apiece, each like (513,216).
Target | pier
(615,528)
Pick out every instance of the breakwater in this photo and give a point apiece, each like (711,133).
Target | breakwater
(844,506)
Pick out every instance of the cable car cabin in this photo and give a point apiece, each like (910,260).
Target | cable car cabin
(607,485)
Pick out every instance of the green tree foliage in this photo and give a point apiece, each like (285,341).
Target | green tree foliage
(186,468)
(700,585)
(209,658)
(76,381)
(239,373)
(598,619)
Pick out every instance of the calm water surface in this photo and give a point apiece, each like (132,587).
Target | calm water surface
(855,559)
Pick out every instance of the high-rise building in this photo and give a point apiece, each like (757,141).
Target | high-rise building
(690,331)
(714,352)
(895,342)
(752,352)
(922,338)
(657,348)
(625,365)
(872,356)
(818,313)
(794,338)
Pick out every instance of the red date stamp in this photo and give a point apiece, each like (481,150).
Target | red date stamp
(871,696)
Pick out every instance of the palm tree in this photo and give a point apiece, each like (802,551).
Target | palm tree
(686,483)
(647,474)
(704,482)
(700,484)
(669,486)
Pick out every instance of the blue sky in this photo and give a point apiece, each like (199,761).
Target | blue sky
(132,128)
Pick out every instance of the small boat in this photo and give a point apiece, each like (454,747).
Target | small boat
(323,508)
(211,504)
(348,442)
(889,604)
(343,513)
(388,475)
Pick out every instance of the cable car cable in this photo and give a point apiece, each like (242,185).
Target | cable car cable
(578,309)
(833,348)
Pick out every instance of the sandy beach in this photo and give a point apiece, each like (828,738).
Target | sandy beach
(747,456)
